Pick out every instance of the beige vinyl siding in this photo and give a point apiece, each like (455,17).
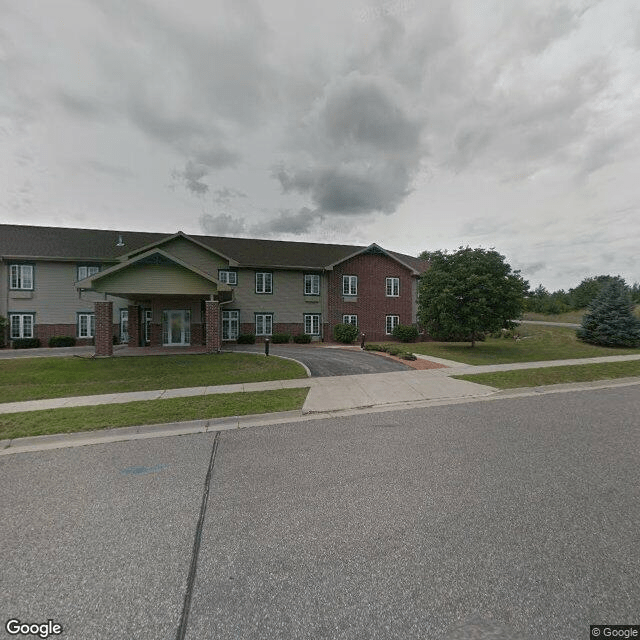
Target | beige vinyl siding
(287,302)
(195,255)
(155,279)
(54,299)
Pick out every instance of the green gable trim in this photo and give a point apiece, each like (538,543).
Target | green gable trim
(155,258)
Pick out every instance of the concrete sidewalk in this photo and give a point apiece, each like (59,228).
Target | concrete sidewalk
(334,393)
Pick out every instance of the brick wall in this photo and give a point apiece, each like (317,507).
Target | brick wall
(371,305)
(212,318)
(104,328)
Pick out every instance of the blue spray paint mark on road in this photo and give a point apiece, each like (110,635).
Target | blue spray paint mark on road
(139,471)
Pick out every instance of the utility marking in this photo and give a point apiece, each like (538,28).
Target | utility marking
(140,471)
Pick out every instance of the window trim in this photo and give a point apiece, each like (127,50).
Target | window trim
(222,319)
(19,266)
(91,325)
(263,315)
(347,289)
(392,280)
(228,272)
(21,315)
(87,266)
(265,273)
(394,325)
(313,277)
(350,315)
(304,323)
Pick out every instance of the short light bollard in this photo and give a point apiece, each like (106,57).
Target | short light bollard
(362,341)
(266,346)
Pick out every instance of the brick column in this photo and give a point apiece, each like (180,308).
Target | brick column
(104,328)
(212,318)
(134,325)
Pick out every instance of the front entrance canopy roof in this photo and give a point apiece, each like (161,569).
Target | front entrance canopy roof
(154,272)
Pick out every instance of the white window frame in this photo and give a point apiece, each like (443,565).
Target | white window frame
(84,271)
(349,285)
(21,277)
(392,287)
(261,320)
(227,276)
(229,317)
(89,328)
(264,282)
(124,326)
(349,319)
(311,284)
(20,325)
(312,324)
(390,323)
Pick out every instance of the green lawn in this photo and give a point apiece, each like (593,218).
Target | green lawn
(74,419)
(556,375)
(538,343)
(569,316)
(36,378)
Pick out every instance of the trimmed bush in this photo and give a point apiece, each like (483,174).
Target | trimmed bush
(280,338)
(405,333)
(408,356)
(345,333)
(62,341)
(302,338)
(372,346)
(25,343)
(247,338)
(394,351)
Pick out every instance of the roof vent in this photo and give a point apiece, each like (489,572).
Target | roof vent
(120,242)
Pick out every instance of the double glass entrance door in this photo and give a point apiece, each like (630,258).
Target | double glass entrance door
(176,327)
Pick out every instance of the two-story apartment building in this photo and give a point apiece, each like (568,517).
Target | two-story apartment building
(178,289)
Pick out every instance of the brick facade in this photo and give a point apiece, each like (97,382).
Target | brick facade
(212,319)
(134,325)
(44,332)
(104,328)
(371,304)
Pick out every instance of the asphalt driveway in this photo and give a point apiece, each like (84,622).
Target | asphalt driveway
(328,361)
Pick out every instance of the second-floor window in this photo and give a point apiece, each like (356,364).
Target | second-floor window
(393,287)
(264,282)
(84,271)
(311,284)
(228,277)
(349,285)
(21,276)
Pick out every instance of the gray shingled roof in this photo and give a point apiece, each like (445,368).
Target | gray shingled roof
(99,244)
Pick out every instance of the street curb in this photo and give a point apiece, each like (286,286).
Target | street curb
(61,441)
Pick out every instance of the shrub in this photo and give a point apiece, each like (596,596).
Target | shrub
(62,341)
(302,338)
(405,332)
(392,350)
(25,343)
(247,338)
(372,346)
(345,333)
(280,338)
(3,324)
(408,356)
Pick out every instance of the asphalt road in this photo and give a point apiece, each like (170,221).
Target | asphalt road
(515,519)
(324,362)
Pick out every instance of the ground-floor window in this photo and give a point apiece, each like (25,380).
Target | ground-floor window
(86,325)
(22,325)
(312,324)
(350,319)
(230,322)
(124,325)
(264,324)
(391,323)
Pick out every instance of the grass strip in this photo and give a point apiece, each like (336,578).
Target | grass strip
(38,378)
(537,343)
(555,375)
(74,419)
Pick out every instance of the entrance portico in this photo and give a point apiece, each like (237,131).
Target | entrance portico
(171,303)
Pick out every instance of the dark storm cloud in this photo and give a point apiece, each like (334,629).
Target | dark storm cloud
(364,147)
(222,225)
(288,222)
(225,195)
(192,178)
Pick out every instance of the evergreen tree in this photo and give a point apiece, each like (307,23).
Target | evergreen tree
(610,321)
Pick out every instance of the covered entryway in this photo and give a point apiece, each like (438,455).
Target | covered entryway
(171,303)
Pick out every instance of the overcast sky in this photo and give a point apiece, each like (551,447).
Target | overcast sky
(415,124)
